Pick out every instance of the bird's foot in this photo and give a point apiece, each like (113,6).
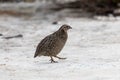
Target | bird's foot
(52,61)
(60,57)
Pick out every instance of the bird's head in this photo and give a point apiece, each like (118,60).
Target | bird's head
(65,27)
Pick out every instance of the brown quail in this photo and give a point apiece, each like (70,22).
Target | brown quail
(53,43)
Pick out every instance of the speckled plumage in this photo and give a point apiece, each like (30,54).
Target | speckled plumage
(53,43)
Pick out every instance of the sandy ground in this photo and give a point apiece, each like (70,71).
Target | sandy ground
(92,50)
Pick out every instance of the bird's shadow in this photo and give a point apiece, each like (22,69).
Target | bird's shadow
(49,62)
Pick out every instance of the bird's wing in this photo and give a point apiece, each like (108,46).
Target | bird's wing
(43,44)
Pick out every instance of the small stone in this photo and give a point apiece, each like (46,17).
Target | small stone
(1,34)
(55,22)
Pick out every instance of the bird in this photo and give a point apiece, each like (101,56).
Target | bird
(52,44)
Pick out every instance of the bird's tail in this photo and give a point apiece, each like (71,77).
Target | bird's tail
(36,54)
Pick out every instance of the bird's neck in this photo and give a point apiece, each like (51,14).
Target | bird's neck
(62,33)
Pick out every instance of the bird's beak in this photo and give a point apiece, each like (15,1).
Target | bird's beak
(70,27)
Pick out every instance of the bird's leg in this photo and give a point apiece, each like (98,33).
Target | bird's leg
(59,57)
(52,60)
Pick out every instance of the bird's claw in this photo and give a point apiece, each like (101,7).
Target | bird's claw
(52,61)
(62,58)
